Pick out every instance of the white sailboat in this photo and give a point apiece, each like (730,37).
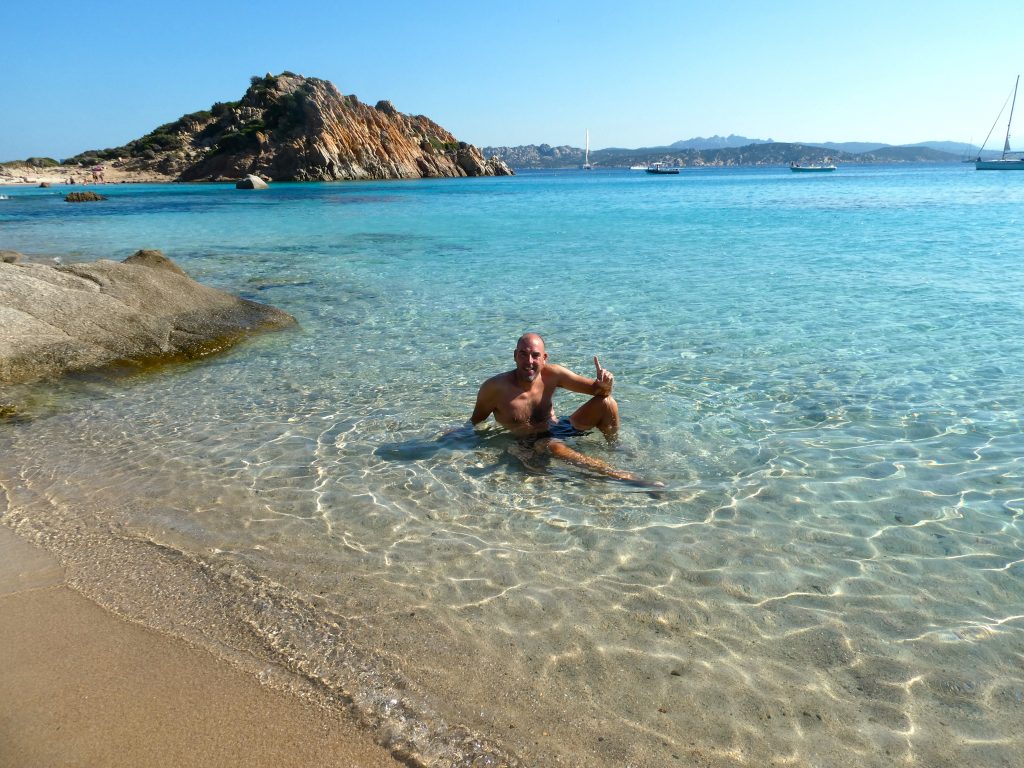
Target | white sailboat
(586,156)
(1003,163)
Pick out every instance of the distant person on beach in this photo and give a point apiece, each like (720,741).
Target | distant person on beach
(521,400)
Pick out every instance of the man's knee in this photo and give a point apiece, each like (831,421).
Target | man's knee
(609,408)
(544,445)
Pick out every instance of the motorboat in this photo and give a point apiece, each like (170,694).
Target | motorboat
(661,168)
(811,168)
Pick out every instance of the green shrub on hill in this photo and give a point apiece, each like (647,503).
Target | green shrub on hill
(442,146)
(222,108)
(241,140)
(158,141)
(34,162)
(287,112)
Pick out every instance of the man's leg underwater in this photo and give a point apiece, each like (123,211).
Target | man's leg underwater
(560,450)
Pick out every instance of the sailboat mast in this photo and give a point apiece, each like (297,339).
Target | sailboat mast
(587,159)
(1006,144)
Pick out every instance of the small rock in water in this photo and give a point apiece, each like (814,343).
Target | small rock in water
(83,197)
(251,182)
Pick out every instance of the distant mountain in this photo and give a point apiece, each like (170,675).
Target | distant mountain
(854,147)
(958,148)
(762,153)
(952,147)
(717,142)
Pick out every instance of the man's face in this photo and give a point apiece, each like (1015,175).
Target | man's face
(530,358)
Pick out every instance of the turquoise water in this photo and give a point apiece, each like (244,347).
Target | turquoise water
(822,369)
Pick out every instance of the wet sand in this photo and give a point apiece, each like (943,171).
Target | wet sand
(81,687)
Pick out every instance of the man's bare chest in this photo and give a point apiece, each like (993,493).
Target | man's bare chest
(530,407)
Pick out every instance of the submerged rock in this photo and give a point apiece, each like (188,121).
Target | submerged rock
(59,319)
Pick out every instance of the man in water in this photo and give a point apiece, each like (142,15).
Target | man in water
(521,400)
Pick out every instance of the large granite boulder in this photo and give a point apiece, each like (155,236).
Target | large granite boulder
(58,319)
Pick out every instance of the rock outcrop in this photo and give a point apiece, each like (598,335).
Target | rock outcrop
(77,317)
(83,197)
(251,182)
(293,128)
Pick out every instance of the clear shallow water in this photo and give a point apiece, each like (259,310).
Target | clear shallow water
(821,369)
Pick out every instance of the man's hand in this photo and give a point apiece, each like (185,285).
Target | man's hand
(603,381)
(465,430)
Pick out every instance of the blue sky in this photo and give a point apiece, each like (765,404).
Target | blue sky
(83,76)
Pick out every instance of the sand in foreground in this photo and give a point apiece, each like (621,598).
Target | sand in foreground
(81,687)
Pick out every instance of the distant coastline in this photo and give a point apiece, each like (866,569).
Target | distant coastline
(723,152)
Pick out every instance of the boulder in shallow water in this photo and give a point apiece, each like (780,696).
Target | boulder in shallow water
(83,197)
(10,257)
(59,319)
(251,182)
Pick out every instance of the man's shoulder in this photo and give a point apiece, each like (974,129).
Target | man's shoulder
(500,380)
(554,371)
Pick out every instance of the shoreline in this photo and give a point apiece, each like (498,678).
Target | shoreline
(80,685)
(24,175)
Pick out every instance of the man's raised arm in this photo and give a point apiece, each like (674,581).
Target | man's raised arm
(598,387)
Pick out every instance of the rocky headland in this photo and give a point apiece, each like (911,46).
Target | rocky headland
(60,319)
(285,128)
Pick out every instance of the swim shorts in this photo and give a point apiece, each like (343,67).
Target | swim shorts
(564,428)
(560,430)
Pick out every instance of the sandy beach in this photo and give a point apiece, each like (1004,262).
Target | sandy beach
(113,173)
(81,687)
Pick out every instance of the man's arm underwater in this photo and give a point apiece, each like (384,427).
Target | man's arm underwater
(482,410)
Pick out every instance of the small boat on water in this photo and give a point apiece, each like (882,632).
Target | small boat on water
(639,167)
(813,168)
(1010,160)
(661,168)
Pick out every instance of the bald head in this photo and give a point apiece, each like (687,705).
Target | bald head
(530,338)
(530,357)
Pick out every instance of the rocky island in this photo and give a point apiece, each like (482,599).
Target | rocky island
(285,128)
